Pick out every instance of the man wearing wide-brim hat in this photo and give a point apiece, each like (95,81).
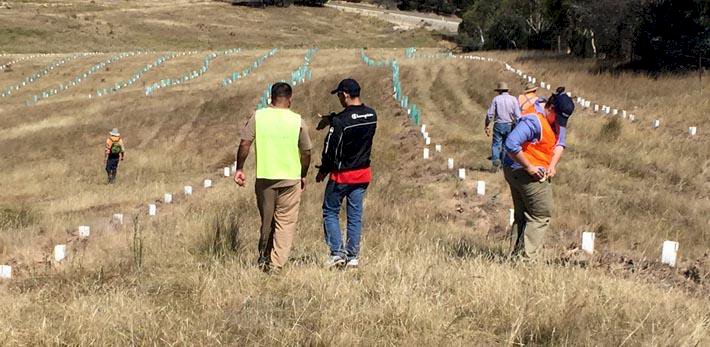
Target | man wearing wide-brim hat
(528,98)
(503,112)
(114,151)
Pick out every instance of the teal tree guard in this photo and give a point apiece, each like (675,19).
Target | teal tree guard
(412,111)
(299,76)
(234,76)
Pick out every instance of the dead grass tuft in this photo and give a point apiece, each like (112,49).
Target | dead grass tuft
(18,217)
(611,130)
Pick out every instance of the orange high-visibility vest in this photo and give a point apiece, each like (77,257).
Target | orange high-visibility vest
(110,141)
(540,153)
(527,103)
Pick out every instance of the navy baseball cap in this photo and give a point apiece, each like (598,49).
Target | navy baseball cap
(564,106)
(349,86)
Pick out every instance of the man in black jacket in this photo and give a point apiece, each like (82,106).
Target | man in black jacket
(346,159)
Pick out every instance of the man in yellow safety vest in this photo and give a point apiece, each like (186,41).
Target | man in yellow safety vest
(283,155)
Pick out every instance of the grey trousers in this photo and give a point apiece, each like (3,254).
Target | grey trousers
(533,203)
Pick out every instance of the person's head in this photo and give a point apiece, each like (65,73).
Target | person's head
(559,107)
(348,91)
(281,95)
(114,132)
(502,87)
(530,88)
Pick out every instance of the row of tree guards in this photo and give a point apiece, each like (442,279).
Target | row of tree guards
(298,76)
(23,58)
(190,75)
(116,87)
(587,104)
(59,253)
(37,75)
(237,75)
(528,77)
(135,77)
(164,83)
(52,91)
(412,110)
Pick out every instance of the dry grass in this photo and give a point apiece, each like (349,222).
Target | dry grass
(430,274)
(610,164)
(71,25)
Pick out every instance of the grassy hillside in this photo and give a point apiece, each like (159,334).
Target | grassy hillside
(433,270)
(69,26)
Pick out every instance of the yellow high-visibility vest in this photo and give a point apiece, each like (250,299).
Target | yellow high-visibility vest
(277,153)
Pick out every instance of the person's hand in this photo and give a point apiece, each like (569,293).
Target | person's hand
(321,176)
(551,171)
(240,178)
(538,173)
(324,121)
(488,132)
(303,183)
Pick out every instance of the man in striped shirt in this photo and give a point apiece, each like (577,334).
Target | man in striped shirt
(503,113)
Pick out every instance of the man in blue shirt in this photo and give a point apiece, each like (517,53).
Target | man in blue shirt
(534,149)
(503,112)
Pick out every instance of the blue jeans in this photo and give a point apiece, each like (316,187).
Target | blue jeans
(500,133)
(333,199)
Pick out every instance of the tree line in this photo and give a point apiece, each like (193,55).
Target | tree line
(653,35)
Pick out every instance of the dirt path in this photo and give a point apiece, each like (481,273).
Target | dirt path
(401,18)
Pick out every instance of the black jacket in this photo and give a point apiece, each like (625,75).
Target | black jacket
(349,141)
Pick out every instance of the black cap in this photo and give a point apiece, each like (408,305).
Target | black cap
(564,106)
(349,86)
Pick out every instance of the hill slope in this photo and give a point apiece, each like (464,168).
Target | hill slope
(434,269)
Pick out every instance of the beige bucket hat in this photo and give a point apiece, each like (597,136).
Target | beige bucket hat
(530,87)
(502,86)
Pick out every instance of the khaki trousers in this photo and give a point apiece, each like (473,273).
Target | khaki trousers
(278,208)
(533,203)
